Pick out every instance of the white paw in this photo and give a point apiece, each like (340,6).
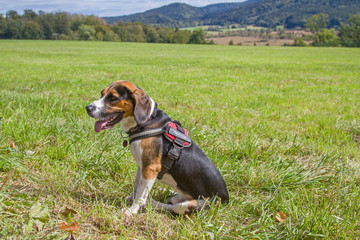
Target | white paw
(129,212)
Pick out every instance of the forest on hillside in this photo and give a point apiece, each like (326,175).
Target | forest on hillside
(66,26)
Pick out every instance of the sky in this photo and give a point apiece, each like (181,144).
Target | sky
(101,8)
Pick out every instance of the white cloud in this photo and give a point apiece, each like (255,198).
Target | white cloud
(96,7)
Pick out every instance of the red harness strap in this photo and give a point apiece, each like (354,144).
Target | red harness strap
(171,138)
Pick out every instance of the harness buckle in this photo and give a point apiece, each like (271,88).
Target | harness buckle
(179,142)
(174,152)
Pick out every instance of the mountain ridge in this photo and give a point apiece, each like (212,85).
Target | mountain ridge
(174,13)
(265,13)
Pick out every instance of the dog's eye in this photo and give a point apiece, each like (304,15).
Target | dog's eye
(112,98)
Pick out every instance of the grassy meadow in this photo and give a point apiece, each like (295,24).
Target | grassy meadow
(282,124)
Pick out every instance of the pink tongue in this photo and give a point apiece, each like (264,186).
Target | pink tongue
(99,125)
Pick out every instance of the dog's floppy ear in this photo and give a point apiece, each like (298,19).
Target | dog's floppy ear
(142,106)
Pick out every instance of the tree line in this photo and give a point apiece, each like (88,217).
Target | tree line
(66,26)
(347,36)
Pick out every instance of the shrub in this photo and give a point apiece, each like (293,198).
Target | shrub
(197,36)
(350,32)
(86,32)
(64,37)
(325,38)
(299,42)
(111,36)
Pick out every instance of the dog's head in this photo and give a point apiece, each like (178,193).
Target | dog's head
(121,100)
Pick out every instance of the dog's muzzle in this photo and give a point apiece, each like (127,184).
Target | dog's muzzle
(90,109)
(106,121)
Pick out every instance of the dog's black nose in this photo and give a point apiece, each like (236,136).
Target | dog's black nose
(90,108)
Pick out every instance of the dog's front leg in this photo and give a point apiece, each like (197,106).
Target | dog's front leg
(141,193)
(147,154)
(130,198)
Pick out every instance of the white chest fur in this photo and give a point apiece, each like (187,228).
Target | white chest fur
(128,123)
(136,152)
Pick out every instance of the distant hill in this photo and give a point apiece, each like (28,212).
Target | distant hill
(289,13)
(175,14)
(266,13)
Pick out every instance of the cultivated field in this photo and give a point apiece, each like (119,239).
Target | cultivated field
(281,124)
(250,41)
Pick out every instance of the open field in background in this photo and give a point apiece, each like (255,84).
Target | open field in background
(281,124)
(250,41)
(252,35)
(221,29)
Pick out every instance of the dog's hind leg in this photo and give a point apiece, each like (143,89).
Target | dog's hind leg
(178,198)
(181,208)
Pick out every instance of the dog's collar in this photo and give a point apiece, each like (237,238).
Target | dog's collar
(145,133)
(138,128)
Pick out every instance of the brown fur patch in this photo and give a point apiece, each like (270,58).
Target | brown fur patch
(129,85)
(151,157)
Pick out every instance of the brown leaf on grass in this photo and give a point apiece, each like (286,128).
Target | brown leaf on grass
(68,211)
(11,144)
(71,237)
(280,217)
(69,228)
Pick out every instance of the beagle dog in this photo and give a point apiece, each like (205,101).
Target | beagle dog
(192,175)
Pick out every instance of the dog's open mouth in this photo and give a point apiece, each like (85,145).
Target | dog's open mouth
(109,123)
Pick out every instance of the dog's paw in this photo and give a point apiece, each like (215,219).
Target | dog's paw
(129,212)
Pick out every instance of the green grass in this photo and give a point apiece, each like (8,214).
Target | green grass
(281,124)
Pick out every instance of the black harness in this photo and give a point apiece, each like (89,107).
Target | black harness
(172,132)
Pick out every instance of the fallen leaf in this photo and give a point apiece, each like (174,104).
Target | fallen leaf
(280,217)
(12,145)
(69,228)
(63,224)
(38,216)
(39,213)
(28,227)
(68,211)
